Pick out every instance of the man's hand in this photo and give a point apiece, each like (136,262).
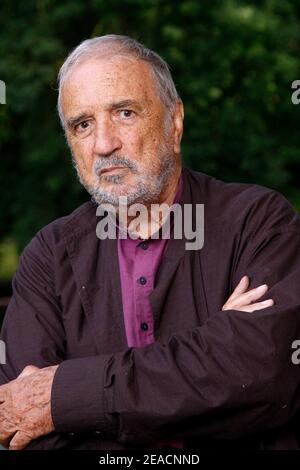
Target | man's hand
(25,407)
(242,300)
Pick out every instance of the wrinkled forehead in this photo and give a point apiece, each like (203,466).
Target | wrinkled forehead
(109,78)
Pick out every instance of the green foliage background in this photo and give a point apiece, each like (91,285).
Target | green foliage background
(233,63)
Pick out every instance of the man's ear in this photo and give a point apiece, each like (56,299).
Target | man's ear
(178,117)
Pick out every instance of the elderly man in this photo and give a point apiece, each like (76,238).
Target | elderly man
(115,343)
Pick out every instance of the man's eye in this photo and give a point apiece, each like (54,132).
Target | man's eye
(126,113)
(82,126)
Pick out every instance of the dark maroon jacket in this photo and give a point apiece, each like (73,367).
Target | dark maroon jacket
(216,379)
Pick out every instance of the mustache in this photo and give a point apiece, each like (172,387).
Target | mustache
(114,160)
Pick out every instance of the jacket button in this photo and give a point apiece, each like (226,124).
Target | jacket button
(142,280)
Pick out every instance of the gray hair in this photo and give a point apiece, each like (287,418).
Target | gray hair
(123,45)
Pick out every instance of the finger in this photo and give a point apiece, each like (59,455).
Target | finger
(258,306)
(19,441)
(6,433)
(4,443)
(245,299)
(240,288)
(28,370)
(5,438)
(250,296)
(3,393)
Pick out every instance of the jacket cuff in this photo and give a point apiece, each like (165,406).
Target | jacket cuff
(79,401)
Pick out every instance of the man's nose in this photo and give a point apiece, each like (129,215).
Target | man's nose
(107,140)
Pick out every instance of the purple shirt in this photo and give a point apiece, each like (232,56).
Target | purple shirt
(138,262)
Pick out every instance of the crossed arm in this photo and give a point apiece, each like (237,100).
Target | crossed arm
(229,377)
(25,409)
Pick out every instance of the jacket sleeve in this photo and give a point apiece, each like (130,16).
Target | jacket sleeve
(32,329)
(231,377)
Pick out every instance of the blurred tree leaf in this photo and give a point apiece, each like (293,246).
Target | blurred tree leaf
(233,63)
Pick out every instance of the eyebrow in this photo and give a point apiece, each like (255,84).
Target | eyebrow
(124,104)
(73,121)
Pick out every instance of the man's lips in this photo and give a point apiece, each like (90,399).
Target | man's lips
(111,168)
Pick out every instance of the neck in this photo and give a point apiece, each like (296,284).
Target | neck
(156,212)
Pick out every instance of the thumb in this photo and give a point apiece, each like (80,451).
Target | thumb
(28,370)
(19,441)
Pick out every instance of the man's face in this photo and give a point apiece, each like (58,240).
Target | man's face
(116,129)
